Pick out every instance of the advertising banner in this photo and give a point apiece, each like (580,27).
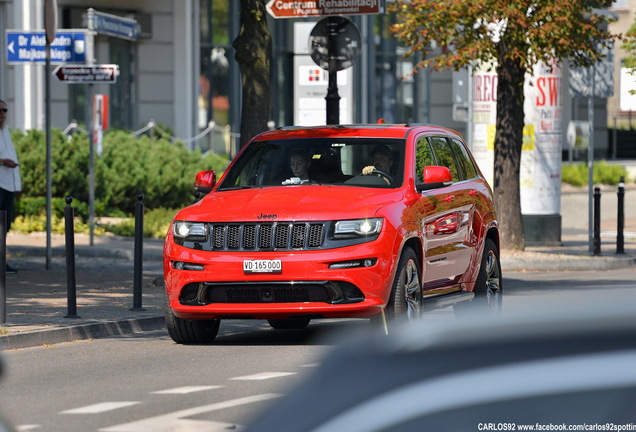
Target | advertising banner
(540,175)
(540,171)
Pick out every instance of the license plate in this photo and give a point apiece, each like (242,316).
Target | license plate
(263,266)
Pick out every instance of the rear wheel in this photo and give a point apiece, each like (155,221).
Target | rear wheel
(185,331)
(289,324)
(406,294)
(489,286)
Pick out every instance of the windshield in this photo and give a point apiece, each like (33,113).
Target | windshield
(366,162)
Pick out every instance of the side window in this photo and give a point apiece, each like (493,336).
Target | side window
(444,155)
(423,157)
(465,162)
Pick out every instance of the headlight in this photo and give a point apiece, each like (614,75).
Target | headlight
(190,231)
(358,228)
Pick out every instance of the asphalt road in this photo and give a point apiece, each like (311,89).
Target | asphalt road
(145,382)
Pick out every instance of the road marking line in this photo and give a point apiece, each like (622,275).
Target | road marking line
(173,421)
(99,408)
(187,389)
(27,427)
(263,376)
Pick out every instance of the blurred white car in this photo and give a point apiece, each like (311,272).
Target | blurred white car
(568,369)
(4,424)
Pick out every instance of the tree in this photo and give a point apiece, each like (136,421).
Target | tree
(630,47)
(253,48)
(516,35)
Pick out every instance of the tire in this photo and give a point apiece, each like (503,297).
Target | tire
(406,295)
(489,285)
(289,324)
(184,331)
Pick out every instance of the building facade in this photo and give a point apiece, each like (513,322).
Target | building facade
(180,74)
(157,78)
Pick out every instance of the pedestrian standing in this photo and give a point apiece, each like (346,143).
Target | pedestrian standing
(10,180)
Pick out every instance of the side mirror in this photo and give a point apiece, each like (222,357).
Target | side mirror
(205,181)
(435,177)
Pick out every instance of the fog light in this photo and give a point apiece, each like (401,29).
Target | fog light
(368,262)
(181,265)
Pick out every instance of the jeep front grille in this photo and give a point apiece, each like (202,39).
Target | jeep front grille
(267,236)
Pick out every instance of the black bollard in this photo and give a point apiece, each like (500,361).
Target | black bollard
(597,221)
(620,220)
(69,231)
(139,238)
(3,266)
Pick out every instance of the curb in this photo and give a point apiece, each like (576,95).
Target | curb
(94,330)
(554,262)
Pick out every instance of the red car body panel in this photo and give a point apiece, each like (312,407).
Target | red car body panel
(446,227)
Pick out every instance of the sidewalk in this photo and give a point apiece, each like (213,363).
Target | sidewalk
(37,306)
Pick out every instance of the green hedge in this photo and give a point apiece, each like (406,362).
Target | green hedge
(163,171)
(604,173)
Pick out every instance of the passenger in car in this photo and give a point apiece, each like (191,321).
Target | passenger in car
(299,162)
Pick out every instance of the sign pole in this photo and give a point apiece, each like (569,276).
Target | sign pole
(590,163)
(333,98)
(90,57)
(50,22)
(49,161)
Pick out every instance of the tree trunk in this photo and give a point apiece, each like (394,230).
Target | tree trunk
(253,48)
(508,141)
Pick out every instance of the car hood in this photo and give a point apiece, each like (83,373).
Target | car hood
(290,203)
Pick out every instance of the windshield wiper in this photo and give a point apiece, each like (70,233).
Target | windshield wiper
(239,187)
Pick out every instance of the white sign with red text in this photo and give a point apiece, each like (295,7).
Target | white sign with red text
(541,155)
(540,170)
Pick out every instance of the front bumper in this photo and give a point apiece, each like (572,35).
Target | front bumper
(305,286)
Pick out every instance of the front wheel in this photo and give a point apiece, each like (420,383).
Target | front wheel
(185,331)
(406,294)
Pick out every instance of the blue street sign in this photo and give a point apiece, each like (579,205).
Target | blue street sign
(113,25)
(29,46)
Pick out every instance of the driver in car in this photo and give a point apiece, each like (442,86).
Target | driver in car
(382,159)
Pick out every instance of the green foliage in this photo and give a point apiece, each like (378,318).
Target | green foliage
(629,46)
(156,223)
(610,174)
(473,31)
(69,166)
(28,224)
(36,206)
(162,171)
(604,173)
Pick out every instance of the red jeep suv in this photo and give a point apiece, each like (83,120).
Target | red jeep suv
(372,221)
